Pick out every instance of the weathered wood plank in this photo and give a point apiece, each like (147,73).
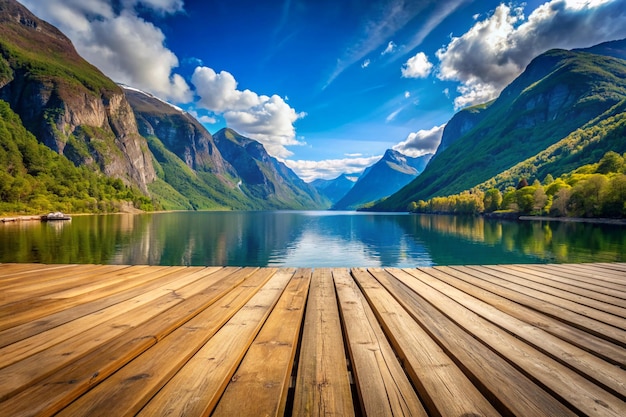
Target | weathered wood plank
(490,373)
(491,283)
(35,363)
(616,296)
(443,387)
(591,343)
(259,387)
(322,384)
(145,282)
(198,385)
(611,304)
(133,385)
(384,388)
(598,276)
(556,374)
(61,388)
(41,305)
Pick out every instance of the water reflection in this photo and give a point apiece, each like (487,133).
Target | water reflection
(308,239)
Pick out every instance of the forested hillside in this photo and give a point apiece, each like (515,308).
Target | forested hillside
(34,179)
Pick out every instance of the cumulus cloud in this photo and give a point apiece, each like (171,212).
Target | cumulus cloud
(421,142)
(123,45)
(330,168)
(497,49)
(417,66)
(267,119)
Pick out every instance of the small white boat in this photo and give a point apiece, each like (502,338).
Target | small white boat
(57,215)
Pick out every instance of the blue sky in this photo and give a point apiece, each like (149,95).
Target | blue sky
(327,85)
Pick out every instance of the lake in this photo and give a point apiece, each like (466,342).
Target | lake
(307,239)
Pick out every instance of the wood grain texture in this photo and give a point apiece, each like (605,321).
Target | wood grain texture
(514,340)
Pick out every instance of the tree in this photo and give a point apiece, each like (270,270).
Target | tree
(610,162)
(549,179)
(492,200)
(560,203)
(522,183)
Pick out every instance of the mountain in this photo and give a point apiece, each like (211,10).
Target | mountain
(263,178)
(197,170)
(559,93)
(392,172)
(67,103)
(336,188)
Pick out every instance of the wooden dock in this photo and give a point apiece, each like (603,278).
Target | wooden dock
(105,340)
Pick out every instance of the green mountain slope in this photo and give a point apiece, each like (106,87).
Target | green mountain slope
(558,93)
(67,103)
(392,172)
(268,182)
(34,179)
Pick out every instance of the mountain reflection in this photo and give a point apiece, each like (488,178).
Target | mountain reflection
(306,239)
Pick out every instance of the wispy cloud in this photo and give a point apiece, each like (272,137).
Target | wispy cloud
(385,20)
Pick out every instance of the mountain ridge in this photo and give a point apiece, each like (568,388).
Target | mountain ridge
(559,92)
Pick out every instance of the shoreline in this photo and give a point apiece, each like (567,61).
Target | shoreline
(593,220)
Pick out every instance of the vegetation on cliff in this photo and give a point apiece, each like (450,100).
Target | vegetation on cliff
(34,179)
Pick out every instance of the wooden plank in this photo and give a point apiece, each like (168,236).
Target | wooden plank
(40,284)
(197,386)
(12,273)
(611,293)
(33,308)
(384,388)
(208,309)
(501,279)
(600,301)
(492,374)
(613,266)
(322,383)
(610,271)
(259,387)
(33,367)
(550,364)
(591,343)
(595,275)
(591,325)
(443,387)
(148,280)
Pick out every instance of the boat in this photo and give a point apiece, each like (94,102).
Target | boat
(57,215)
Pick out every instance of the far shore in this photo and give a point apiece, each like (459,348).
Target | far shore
(500,216)
(574,219)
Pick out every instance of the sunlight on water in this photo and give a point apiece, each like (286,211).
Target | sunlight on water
(307,239)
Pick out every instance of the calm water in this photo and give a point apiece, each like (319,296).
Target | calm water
(307,239)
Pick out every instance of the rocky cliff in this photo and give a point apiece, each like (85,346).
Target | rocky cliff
(68,104)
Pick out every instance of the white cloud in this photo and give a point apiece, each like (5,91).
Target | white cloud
(497,49)
(365,63)
(330,168)
(267,119)
(407,94)
(421,142)
(391,47)
(417,66)
(384,20)
(123,45)
(392,116)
